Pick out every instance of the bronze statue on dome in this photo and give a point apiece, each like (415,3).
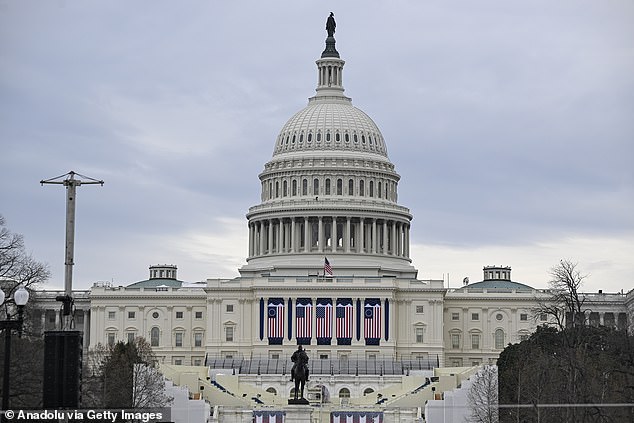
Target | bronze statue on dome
(331,25)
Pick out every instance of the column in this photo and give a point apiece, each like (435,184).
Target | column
(270,236)
(261,231)
(373,236)
(361,235)
(393,237)
(293,234)
(43,318)
(346,242)
(320,235)
(333,234)
(384,237)
(280,232)
(407,240)
(306,240)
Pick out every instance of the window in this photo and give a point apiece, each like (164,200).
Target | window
(523,317)
(294,189)
(130,337)
(285,189)
(543,317)
(197,362)
(131,315)
(179,314)
(111,338)
(344,393)
(271,390)
(361,188)
(305,187)
(475,342)
(198,339)
(111,315)
(371,188)
(499,339)
(229,333)
(419,335)
(328,184)
(455,341)
(339,187)
(455,316)
(155,315)
(475,316)
(524,337)
(499,316)
(315,186)
(420,309)
(178,361)
(350,187)
(154,337)
(229,308)
(379,190)
(323,356)
(198,315)
(367,391)
(178,340)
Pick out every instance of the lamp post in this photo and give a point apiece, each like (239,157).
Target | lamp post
(20,298)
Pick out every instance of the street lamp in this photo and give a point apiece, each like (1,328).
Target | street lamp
(20,298)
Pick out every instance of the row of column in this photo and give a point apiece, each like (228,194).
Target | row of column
(329,234)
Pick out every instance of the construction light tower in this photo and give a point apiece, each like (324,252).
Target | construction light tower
(63,350)
(71,184)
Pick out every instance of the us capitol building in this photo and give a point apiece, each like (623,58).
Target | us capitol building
(329,268)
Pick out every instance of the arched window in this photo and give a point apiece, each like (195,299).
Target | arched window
(315,186)
(294,189)
(339,187)
(371,188)
(355,138)
(285,189)
(361,188)
(305,187)
(350,187)
(344,393)
(270,190)
(328,136)
(367,391)
(327,186)
(272,390)
(310,136)
(379,190)
(155,336)
(293,141)
(499,339)
(277,189)
(318,136)
(301,137)
(347,137)
(337,137)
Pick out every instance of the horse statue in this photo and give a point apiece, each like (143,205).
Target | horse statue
(299,372)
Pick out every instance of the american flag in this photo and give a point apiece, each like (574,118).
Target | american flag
(356,417)
(276,320)
(372,320)
(327,267)
(265,416)
(344,320)
(323,313)
(303,320)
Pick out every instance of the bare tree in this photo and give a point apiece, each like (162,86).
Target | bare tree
(483,396)
(16,266)
(566,304)
(124,375)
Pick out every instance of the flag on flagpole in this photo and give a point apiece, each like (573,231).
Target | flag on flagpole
(327,267)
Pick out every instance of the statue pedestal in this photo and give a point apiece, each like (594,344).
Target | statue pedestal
(299,401)
(298,413)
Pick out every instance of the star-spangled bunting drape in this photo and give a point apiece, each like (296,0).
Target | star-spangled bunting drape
(323,319)
(356,417)
(275,320)
(268,416)
(372,321)
(303,321)
(343,321)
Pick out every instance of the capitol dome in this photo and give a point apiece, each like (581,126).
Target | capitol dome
(330,126)
(329,190)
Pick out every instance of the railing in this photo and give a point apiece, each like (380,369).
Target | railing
(282,366)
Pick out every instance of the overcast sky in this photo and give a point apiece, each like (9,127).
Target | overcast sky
(511,124)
